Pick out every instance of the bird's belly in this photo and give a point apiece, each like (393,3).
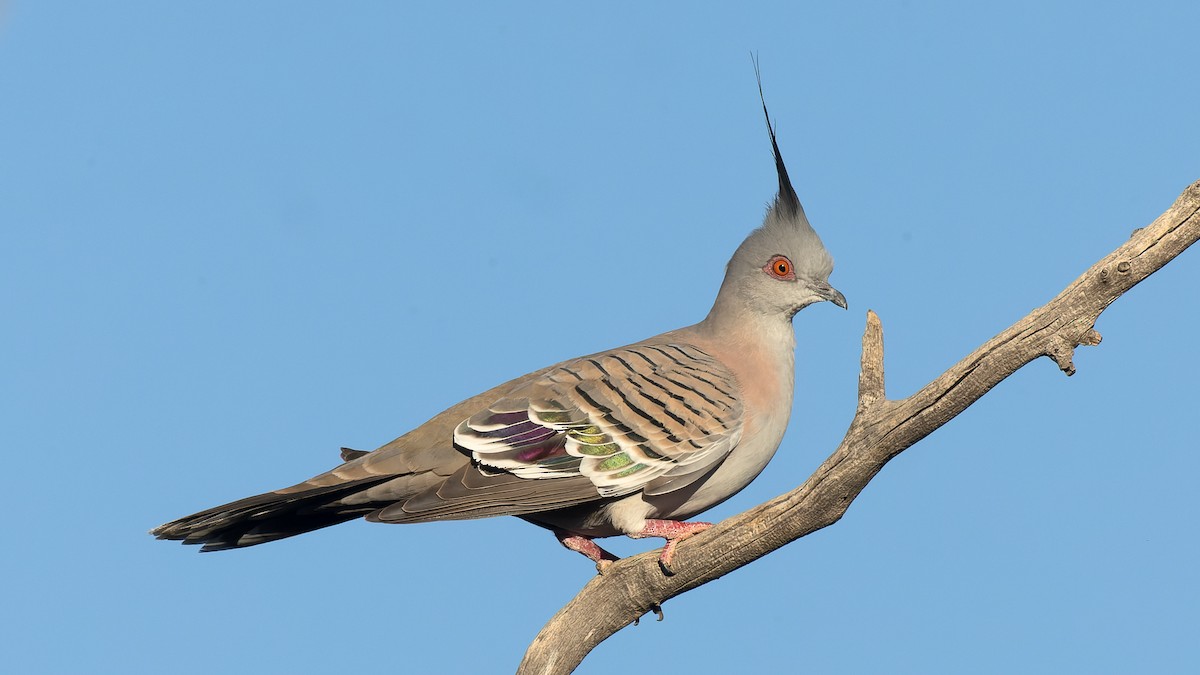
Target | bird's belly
(737,471)
(628,515)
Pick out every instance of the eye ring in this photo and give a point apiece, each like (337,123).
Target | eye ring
(780,267)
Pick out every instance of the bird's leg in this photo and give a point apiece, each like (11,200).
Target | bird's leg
(674,532)
(585,545)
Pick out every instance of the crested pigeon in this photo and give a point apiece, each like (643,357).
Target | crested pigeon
(631,441)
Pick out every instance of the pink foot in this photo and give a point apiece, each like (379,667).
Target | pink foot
(674,532)
(585,545)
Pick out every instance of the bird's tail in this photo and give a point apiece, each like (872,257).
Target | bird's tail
(270,516)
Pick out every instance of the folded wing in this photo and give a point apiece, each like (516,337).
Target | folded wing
(648,417)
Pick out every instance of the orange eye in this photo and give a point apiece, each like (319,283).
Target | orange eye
(780,268)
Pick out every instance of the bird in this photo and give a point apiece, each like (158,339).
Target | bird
(632,441)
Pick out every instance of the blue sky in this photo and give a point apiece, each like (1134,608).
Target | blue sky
(235,238)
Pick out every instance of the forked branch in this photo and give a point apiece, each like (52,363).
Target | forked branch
(881,429)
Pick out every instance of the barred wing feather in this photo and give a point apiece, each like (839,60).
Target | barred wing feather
(648,417)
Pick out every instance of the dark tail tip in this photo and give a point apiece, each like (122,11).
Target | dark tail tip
(270,516)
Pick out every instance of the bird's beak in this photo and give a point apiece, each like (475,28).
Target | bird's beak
(833,295)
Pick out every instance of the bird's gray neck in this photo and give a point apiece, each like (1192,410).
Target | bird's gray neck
(734,323)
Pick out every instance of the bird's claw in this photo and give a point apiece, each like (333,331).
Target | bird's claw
(674,532)
(656,608)
(589,548)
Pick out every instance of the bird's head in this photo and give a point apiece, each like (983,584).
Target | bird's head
(782,267)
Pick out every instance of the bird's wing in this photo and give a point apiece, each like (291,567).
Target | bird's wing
(651,417)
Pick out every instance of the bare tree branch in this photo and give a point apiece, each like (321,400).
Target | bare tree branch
(881,429)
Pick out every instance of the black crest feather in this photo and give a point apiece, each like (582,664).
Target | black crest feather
(786,199)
